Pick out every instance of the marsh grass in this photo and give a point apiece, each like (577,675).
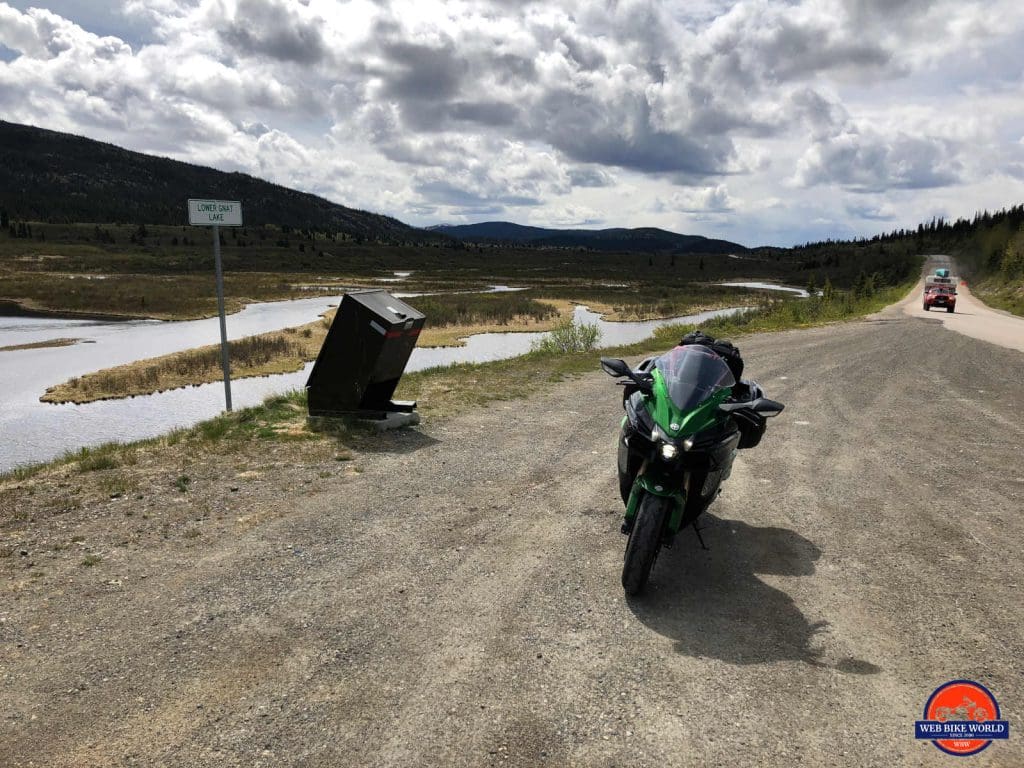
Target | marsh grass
(483,308)
(40,345)
(646,301)
(278,352)
(24,472)
(245,353)
(165,297)
(214,430)
(97,459)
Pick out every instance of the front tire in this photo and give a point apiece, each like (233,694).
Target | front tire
(925,307)
(950,309)
(644,542)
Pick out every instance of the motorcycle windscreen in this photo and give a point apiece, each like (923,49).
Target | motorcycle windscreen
(692,374)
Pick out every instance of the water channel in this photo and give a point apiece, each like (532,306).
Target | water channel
(31,431)
(801,292)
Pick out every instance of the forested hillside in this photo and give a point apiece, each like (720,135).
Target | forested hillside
(642,239)
(61,178)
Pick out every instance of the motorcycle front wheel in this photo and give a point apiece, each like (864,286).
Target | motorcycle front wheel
(644,542)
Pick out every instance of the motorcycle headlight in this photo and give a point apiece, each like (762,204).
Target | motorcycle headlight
(668,448)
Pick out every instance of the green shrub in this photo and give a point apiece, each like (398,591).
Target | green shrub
(568,337)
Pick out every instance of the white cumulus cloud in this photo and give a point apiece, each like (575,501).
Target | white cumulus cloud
(844,113)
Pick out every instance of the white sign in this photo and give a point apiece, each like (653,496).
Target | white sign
(222,213)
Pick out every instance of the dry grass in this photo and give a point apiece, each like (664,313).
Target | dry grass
(454,335)
(41,344)
(263,355)
(501,309)
(665,310)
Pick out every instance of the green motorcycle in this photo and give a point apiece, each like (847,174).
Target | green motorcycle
(686,416)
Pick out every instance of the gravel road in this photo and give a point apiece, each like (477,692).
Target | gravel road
(457,603)
(971,318)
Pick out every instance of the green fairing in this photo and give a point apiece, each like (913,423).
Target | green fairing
(665,413)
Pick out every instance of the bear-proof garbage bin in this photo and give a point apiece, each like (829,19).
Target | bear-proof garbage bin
(364,356)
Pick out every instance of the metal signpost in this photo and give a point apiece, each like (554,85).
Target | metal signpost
(217,214)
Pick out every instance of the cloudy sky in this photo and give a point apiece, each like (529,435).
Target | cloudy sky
(762,121)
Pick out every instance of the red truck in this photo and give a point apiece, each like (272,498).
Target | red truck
(940,296)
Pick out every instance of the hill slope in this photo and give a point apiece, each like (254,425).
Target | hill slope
(640,239)
(59,177)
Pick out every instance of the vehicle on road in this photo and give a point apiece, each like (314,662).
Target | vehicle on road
(940,290)
(940,296)
(677,442)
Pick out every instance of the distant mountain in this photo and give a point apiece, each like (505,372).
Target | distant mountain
(58,177)
(640,239)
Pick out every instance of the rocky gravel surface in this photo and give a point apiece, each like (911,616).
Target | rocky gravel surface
(450,596)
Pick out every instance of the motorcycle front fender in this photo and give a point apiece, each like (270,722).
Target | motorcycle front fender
(644,484)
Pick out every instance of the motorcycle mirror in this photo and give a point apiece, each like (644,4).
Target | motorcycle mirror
(767,407)
(762,405)
(615,367)
(730,407)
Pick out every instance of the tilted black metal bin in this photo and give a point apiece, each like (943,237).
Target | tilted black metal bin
(364,356)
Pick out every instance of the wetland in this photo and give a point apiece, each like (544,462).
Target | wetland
(482,305)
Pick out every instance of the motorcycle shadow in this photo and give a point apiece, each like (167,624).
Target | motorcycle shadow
(712,604)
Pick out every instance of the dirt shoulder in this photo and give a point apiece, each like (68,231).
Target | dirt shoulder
(449,595)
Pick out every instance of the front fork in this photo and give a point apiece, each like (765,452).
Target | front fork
(643,484)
